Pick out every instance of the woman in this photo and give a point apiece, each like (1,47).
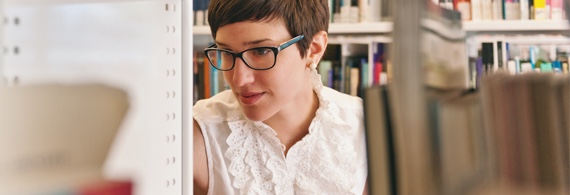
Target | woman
(278,130)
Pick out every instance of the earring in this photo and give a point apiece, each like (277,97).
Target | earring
(315,77)
(313,65)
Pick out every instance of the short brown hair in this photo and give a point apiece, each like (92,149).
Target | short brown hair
(301,17)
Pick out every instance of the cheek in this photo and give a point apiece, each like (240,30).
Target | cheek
(290,77)
(290,64)
(227,77)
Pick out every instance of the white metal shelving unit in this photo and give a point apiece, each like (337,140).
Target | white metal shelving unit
(134,45)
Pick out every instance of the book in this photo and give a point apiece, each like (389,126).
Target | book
(380,147)
(508,138)
(541,10)
(378,61)
(336,16)
(199,13)
(547,134)
(460,144)
(557,11)
(512,9)
(525,10)
(476,10)
(207,76)
(487,9)
(386,12)
(487,57)
(560,90)
(497,8)
(105,187)
(524,123)
(200,76)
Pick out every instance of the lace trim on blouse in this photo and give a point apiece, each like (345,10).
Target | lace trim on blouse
(324,159)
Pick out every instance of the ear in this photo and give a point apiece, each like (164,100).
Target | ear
(317,47)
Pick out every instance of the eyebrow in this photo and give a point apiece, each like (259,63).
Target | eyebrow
(254,42)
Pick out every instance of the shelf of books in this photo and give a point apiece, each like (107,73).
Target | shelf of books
(491,119)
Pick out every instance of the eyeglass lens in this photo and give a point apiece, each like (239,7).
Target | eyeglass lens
(256,58)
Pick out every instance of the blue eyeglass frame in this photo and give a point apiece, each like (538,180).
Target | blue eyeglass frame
(275,50)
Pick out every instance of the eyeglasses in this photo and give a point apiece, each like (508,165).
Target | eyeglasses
(258,58)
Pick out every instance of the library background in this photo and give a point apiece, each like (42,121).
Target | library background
(460,97)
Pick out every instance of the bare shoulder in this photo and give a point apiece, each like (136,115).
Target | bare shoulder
(200,162)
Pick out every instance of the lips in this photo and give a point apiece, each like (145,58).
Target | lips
(249,98)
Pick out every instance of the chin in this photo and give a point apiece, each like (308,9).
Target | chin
(255,114)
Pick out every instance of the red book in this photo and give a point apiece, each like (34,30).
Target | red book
(106,187)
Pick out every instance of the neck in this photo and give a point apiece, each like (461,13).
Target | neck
(292,125)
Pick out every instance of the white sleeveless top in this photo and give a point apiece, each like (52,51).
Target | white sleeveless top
(246,157)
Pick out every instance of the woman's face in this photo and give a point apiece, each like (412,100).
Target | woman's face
(264,93)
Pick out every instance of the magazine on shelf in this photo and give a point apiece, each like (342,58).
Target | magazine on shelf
(55,138)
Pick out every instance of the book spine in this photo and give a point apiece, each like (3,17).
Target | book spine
(331,11)
(336,11)
(354,12)
(207,79)
(487,9)
(214,79)
(524,9)
(345,11)
(105,188)
(464,7)
(364,74)
(500,51)
(324,68)
(201,86)
(487,54)
(512,10)
(540,10)
(497,10)
(557,12)
(375,10)
(363,8)
(476,12)
(496,57)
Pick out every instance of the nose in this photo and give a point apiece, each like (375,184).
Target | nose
(241,73)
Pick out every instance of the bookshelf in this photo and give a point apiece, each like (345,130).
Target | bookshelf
(380,32)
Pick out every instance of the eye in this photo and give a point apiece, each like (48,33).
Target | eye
(261,51)
(226,54)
